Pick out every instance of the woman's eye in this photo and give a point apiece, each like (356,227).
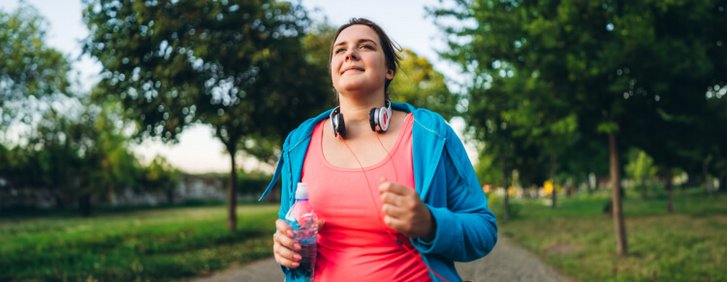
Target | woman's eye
(369,47)
(339,50)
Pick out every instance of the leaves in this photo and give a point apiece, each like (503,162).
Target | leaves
(236,65)
(558,75)
(416,82)
(29,69)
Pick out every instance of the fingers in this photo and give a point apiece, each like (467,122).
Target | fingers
(391,187)
(286,257)
(283,227)
(396,195)
(396,224)
(394,211)
(321,222)
(284,247)
(284,235)
(403,210)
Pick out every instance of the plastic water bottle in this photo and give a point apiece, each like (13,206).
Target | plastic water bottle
(304,222)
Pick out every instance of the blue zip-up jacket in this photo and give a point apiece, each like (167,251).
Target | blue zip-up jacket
(445,181)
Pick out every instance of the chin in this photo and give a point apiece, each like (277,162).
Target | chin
(351,86)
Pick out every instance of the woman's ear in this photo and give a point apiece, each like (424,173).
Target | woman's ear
(389,74)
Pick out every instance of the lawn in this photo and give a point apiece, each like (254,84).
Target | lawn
(154,245)
(578,238)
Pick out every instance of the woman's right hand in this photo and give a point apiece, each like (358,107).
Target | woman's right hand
(285,248)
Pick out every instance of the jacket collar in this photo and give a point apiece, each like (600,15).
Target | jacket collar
(428,137)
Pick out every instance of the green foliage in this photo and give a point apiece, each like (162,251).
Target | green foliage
(417,83)
(110,162)
(29,69)
(488,172)
(76,155)
(160,175)
(577,238)
(75,148)
(239,66)
(550,79)
(236,65)
(607,127)
(158,245)
(253,183)
(640,168)
(497,203)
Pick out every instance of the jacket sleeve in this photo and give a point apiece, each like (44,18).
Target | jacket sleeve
(284,194)
(466,228)
(285,176)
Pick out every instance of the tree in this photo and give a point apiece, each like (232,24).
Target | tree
(29,70)
(110,164)
(55,157)
(494,119)
(562,47)
(417,83)
(81,155)
(681,58)
(640,168)
(237,66)
(160,175)
(716,137)
(634,72)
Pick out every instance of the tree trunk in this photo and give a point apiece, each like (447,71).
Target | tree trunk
(669,192)
(590,185)
(506,198)
(57,198)
(554,194)
(170,196)
(506,201)
(111,196)
(231,189)
(84,204)
(707,182)
(617,206)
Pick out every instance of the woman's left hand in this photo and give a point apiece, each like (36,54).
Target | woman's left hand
(405,212)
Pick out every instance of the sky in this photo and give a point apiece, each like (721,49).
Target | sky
(405,21)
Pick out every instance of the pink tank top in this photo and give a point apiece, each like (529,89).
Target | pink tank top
(354,244)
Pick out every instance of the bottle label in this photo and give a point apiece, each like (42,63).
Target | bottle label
(308,241)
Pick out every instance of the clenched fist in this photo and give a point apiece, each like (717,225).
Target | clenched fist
(405,212)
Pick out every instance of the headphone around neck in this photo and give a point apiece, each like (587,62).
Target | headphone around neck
(379,119)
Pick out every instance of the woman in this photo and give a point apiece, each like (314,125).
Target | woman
(398,194)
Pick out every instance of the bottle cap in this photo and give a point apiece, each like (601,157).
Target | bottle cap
(301,192)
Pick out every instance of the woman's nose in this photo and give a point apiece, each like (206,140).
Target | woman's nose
(351,54)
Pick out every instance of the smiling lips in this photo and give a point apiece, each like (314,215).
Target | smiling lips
(352,68)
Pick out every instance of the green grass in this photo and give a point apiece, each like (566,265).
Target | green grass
(578,238)
(145,245)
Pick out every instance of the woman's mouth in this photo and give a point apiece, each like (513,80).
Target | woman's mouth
(355,68)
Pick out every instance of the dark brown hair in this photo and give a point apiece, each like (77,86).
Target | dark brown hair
(389,47)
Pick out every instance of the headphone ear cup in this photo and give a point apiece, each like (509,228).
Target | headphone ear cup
(373,115)
(340,126)
(384,119)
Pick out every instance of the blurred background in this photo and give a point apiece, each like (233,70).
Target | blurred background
(136,136)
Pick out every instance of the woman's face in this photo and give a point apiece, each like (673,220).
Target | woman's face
(358,63)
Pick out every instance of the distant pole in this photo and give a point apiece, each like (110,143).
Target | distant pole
(617,207)
(669,191)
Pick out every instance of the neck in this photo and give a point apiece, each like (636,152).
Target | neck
(356,110)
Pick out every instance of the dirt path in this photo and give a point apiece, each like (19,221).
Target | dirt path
(507,262)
